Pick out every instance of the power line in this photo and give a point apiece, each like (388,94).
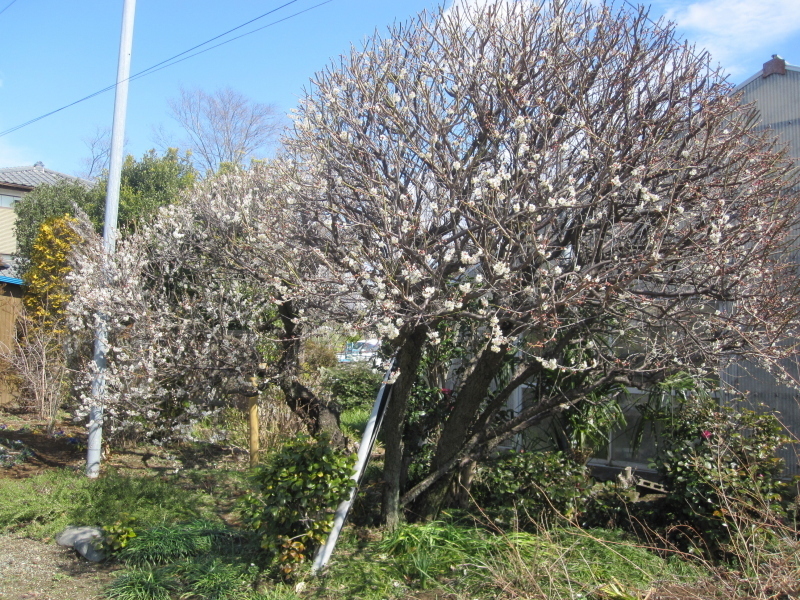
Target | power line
(7,6)
(216,37)
(172,60)
(153,69)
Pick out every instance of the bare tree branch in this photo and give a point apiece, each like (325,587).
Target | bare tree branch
(223,126)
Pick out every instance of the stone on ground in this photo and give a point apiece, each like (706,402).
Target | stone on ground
(83,539)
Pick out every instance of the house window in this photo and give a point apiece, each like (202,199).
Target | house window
(8,201)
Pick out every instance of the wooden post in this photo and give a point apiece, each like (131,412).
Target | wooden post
(252,408)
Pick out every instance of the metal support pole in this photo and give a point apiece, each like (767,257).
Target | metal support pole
(324,552)
(95,442)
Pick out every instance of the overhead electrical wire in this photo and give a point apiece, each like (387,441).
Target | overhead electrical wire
(153,69)
(172,60)
(7,6)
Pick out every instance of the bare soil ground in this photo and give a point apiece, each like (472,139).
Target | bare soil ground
(43,570)
(30,570)
(63,449)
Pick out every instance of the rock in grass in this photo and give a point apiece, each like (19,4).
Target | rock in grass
(84,540)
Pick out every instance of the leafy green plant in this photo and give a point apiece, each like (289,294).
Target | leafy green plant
(117,535)
(542,485)
(296,492)
(720,465)
(608,505)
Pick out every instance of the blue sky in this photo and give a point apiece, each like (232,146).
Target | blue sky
(57,51)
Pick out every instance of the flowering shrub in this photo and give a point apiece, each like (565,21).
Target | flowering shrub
(47,293)
(539,172)
(204,302)
(720,466)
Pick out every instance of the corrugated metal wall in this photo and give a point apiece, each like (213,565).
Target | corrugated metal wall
(763,392)
(777,98)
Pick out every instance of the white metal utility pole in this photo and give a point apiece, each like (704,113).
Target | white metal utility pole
(95,442)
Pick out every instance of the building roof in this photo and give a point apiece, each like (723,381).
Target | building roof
(772,67)
(34,175)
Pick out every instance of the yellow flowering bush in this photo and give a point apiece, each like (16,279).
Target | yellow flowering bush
(47,293)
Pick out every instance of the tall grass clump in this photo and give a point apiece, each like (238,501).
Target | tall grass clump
(163,544)
(144,583)
(473,561)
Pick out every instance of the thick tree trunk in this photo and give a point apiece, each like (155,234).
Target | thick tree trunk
(484,440)
(408,360)
(468,400)
(320,417)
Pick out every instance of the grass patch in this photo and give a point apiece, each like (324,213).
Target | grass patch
(471,562)
(216,578)
(142,583)
(168,543)
(353,421)
(43,505)
(193,560)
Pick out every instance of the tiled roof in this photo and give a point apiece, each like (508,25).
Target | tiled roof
(34,175)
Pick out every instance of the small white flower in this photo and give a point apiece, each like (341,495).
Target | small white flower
(500,269)
(550,364)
